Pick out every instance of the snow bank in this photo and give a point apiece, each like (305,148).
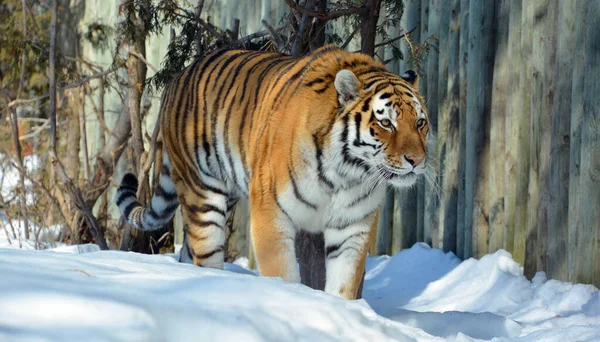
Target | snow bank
(77,293)
(116,296)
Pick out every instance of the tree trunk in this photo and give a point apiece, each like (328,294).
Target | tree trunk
(368,26)
(589,212)
(514,112)
(558,201)
(497,129)
(574,257)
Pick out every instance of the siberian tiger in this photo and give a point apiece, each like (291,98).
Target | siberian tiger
(311,141)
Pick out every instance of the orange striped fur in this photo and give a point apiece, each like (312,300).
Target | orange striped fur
(311,141)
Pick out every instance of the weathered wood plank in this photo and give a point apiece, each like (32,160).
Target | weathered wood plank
(431,191)
(514,111)
(479,81)
(589,201)
(449,67)
(497,128)
(577,91)
(443,120)
(523,236)
(558,201)
(463,242)
(543,61)
(404,231)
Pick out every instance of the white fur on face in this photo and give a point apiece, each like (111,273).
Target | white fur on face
(384,109)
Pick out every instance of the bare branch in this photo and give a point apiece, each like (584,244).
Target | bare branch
(277,40)
(327,16)
(349,39)
(70,86)
(244,40)
(138,55)
(12,114)
(389,41)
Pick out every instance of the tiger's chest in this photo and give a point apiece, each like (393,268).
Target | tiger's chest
(313,207)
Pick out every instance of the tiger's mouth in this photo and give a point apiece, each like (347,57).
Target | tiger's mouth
(392,174)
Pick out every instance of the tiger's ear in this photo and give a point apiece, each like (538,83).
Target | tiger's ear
(411,77)
(346,85)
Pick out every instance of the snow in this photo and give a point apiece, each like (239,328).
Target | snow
(79,293)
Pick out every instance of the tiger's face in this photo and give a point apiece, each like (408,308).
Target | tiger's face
(387,128)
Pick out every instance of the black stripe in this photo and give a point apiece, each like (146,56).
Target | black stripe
(408,94)
(274,60)
(161,192)
(205,208)
(320,171)
(123,195)
(294,77)
(348,158)
(205,102)
(358,199)
(366,106)
(129,208)
(385,96)
(165,170)
(202,224)
(297,191)
(209,254)
(333,248)
(280,206)
(349,223)
(342,251)
(166,212)
(228,113)
(315,81)
(214,116)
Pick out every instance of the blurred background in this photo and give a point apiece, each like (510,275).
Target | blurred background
(511,88)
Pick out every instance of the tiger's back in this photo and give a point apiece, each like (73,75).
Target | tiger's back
(290,134)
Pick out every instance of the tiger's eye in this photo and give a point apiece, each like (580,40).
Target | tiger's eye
(421,123)
(386,123)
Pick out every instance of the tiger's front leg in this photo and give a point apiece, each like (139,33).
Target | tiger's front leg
(346,247)
(273,237)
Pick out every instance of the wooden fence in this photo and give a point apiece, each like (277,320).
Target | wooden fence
(514,97)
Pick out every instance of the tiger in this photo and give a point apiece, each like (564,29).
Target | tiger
(311,142)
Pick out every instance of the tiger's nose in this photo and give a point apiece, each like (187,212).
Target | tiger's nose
(414,160)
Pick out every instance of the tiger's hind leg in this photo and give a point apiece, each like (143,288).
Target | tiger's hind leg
(205,215)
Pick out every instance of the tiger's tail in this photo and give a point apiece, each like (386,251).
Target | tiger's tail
(161,208)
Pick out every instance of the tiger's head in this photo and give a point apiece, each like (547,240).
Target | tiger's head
(385,124)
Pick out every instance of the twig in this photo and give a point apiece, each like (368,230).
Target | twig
(47,193)
(393,39)
(145,170)
(242,41)
(83,133)
(144,60)
(23,53)
(325,16)
(277,40)
(12,114)
(349,39)
(70,86)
